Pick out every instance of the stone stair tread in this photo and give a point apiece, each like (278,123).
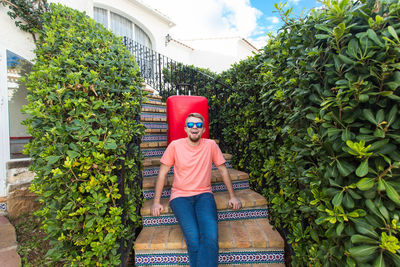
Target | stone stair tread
(153,119)
(149,182)
(157,103)
(248,197)
(238,234)
(153,144)
(156,130)
(238,265)
(153,110)
(156,161)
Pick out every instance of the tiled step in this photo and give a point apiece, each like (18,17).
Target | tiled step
(149,181)
(156,125)
(249,199)
(215,187)
(223,215)
(153,108)
(153,170)
(156,161)
(232,265)
(162,144)
(254,237)
(156,117)
(255,233)
(153,152)
(154,101)
(154,97)
(148,138)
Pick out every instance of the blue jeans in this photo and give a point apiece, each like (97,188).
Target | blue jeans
(197,216)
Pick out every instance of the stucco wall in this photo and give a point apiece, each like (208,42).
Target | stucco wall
(214,61)
(81,5)
(13,39)
(179,52)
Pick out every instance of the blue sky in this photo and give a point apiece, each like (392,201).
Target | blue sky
(269,20)
(250,19)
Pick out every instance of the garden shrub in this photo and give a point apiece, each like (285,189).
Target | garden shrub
(84,104)
(314,118)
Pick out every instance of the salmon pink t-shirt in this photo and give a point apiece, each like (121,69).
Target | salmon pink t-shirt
(192,166)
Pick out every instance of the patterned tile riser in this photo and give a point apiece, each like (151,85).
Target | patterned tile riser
(3,206)
(154,138)
(163,108)
(245,257)
(154,99)
(153,153)
(231,215)
(147,172)
(153,115)
(155,125)
(220,187)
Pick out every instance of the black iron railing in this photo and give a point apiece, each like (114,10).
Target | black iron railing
(169,77)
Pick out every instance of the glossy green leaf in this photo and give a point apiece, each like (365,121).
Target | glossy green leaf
(365,184)
(362,251)
(52,159)
(363,239)
(362,169)
(72,154)
(393,32)
(369,116)
(379,262)
(344,168)
(337,200)
(391,193)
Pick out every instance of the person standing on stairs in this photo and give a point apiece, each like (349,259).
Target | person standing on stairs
(191,199)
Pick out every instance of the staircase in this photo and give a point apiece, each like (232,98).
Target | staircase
(245,236)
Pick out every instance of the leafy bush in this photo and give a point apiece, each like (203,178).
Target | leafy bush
(84,102)
(315,121)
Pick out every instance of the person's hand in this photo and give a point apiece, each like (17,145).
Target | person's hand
(235,203)
(156,209)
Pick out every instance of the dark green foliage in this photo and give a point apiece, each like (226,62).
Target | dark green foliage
(315,121)
(84,101)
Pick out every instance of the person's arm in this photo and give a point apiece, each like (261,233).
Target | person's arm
(157,208)
(234,202)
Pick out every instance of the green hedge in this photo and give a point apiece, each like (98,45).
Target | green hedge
(315,121)
(84,102)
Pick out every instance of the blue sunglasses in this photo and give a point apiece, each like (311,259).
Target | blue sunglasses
(191,124)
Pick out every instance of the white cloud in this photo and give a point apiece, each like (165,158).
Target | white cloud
(209,18)
(295,2)
(274,19)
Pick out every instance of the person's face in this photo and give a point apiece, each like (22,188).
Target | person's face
(194,133)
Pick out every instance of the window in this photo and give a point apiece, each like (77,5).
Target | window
(121,26)
(100,16)
(17,92)
(141,37)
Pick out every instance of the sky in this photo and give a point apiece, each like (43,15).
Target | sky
(250,19)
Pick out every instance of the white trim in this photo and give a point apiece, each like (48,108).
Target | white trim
(4,129)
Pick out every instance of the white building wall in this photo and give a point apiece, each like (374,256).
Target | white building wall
(14,39)
(81,5)
(213,61)
(178,52)
(244,50)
